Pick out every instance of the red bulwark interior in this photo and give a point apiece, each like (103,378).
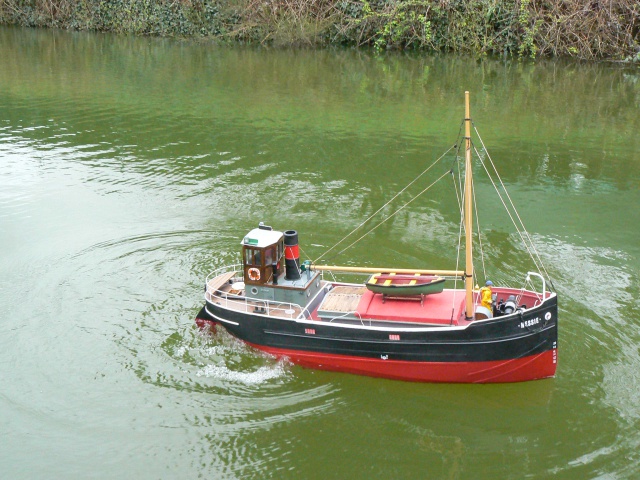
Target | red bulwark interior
(438,308)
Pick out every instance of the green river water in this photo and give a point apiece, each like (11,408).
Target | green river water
(131,167)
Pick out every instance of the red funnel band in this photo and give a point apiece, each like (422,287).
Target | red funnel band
(291,252)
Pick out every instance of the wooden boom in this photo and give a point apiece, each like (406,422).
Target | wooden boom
(335,268)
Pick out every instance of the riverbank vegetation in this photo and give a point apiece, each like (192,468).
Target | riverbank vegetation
(593,30)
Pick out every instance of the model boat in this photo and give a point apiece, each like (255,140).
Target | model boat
(400,323)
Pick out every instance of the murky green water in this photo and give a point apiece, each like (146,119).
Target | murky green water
(130,168)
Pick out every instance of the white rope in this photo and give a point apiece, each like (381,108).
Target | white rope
(540,267)
(458,189)
(383,206)
(509,213)
(475,205)
(392,215)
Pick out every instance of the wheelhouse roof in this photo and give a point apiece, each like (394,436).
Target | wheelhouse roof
(261,238)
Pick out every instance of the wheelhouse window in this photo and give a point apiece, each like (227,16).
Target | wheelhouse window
(252,256)
(280,250)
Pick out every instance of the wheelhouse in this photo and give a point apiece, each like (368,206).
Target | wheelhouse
(262,255)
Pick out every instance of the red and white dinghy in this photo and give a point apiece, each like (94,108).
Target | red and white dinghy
(278,305)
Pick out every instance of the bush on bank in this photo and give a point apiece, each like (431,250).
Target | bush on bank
(597,29)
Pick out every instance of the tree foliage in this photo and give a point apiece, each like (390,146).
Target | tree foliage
(597,29)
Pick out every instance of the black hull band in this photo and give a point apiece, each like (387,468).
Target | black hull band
(516,336)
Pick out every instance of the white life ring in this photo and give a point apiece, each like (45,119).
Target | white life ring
(254,274)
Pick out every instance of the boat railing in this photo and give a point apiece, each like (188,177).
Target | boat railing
(544,287)
(237,302)
(544,282)
(237,268)
(259,306)
(349,315)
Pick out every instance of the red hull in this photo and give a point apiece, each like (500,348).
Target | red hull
(516,370)
(206,324)
(523,369)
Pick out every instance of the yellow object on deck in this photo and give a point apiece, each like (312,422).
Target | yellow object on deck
(374,279)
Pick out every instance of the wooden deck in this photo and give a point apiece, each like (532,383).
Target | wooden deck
(215,284)
(343,299)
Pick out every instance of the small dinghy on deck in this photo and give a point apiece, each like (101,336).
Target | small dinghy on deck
(406,286)
(276,304)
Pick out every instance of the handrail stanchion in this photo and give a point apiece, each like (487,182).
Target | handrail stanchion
(544,283)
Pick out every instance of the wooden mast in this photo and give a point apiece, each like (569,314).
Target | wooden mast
(468,230)
(468,211)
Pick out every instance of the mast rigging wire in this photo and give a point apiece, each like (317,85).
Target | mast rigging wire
(536,258)
(383,206)
(458,187)
(390,216)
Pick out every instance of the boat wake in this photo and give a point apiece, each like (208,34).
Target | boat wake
(230,360)
(261,375)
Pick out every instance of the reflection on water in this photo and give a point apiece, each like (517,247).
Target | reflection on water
(131,167)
